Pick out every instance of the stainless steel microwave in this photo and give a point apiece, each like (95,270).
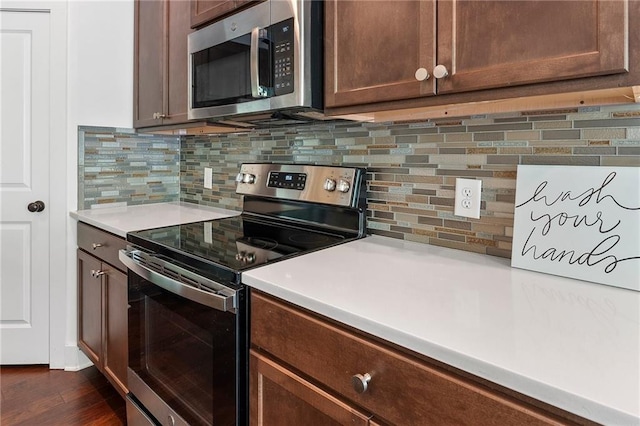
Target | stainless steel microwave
(264,60)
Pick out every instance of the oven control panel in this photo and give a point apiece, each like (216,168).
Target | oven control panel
(288,180)
(311,183)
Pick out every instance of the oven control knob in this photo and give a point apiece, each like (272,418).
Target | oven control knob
(330,184)
(343,186)
(248,178)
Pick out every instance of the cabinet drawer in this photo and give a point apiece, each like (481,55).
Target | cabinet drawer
(101,244)
(280,397)
(402,390)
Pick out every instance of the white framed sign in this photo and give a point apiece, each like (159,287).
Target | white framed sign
(580,222)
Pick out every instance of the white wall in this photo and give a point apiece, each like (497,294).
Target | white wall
(100,93)
(100,63)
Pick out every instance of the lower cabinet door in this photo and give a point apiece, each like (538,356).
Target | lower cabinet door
(90,307)
(102,318)
(115,318)
(280,397)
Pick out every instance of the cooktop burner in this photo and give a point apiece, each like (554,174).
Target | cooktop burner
(307,238)
(262,243)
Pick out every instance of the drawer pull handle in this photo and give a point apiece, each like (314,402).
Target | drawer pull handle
(360,382)
(97,274)
(96,245)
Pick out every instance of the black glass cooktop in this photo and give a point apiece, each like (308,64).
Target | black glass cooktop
(234,243)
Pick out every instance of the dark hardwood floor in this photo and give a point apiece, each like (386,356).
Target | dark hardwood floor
(35,395)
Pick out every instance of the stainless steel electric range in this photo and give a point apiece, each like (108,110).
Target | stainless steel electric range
(189,313)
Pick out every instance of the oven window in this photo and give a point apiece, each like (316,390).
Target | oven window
(222,73)
(185,352)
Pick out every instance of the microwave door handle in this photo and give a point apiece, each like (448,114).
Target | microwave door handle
(225,303)
(255,63)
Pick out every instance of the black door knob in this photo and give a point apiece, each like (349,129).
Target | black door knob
(36,206)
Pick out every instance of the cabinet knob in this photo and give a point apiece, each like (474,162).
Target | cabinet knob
(157,115)
(422,74)
(97,274)
(96,245)
(440,71)
(360,382)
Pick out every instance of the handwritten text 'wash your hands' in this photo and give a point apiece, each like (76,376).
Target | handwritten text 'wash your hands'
(574,214)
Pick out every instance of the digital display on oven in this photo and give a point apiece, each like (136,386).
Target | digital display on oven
(287,180)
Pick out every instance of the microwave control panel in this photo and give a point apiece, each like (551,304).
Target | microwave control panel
(282,35)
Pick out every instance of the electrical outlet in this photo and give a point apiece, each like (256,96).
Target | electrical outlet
(467,200)
(208,177)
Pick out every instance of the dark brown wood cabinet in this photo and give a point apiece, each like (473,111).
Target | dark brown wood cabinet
(102,303)
(374,50)
(303,366)
(203,12)
(496,43)
(281,397)
(90,307)
(160,62)
(115,328)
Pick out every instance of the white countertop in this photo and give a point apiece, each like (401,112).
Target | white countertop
(120,220)
(572,344)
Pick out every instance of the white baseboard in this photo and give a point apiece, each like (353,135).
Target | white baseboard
(74,359)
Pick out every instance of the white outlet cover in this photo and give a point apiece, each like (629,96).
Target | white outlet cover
(468,197)
(208,177)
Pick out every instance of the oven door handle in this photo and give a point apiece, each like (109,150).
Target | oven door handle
(224,299)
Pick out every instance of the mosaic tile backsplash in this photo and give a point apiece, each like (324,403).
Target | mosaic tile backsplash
(118,166)
(413,166)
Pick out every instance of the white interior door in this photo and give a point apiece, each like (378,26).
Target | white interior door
(24,179)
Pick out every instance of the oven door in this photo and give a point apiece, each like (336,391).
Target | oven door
(187,350)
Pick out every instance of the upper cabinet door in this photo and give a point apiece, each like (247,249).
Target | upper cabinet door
(176,80)
(203,11)
(149,60)
(488,44)
(374,48)
(160,70)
